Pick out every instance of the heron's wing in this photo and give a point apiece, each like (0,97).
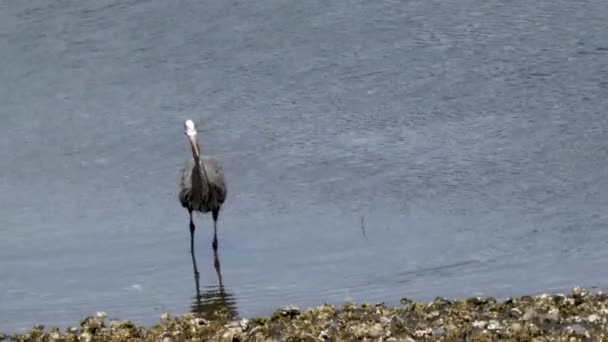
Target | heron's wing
(215,174)
(185,184)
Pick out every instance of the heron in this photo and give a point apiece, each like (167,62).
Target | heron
(202,185)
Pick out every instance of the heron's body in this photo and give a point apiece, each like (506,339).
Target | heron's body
(208,195)
(202,185)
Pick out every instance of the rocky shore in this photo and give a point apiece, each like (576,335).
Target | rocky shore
(578,316)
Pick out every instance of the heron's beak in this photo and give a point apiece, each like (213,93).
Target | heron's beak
(193,143)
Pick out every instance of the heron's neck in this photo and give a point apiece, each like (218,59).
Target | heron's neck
(198,164)
(195,153)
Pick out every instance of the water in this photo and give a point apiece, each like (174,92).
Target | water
(373,150)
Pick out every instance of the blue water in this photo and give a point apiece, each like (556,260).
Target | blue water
(373,150)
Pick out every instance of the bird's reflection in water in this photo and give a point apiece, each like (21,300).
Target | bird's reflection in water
(214,302)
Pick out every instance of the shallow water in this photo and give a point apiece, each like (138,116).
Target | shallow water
(373,151)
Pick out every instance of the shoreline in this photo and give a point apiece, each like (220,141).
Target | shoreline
(578,316)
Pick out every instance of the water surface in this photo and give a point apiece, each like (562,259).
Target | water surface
(373,150)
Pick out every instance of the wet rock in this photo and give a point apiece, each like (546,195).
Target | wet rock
(516,327)
(376,331)
(579,292)
(552,315)
(530,314)
(515,313)
(288,311)
(440,302)
(593,318)
(438,332)
(493,325)
(479,301)
(576,329)
(323,335)
(423,332)
(431,315)
(199,322)
(542,317)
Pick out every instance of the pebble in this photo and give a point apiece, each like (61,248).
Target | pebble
(529,315)
(580,292)
(593,318)
(479,324)
(543,317)
(493,325)
(553,315)
(244,323)
(384,321)
(438,332)
(515,312)
(376,330)
(516,327)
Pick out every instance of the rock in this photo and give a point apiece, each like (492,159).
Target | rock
(579,292)
(406,301)
(376,331)
(438,332)
(552,315)
(516,327)
(432,314)
(515,313)
(532,328)
(233,324)
(200,322)
(540,318)
(323,335)
(166,337)
(578,330)
(493,325)
(244,323)
(86,336)
(384,321)
(423,332)
(232,335)
(593,318)
(440,302)
(529,315)
(289,311)
(479,324)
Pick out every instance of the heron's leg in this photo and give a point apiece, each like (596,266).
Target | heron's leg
(215,215)
(191,222)
(191,232)
(192,248)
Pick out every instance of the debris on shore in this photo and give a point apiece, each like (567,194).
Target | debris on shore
(578,316)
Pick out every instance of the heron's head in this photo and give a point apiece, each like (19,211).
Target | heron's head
(191,133)
(190,129)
